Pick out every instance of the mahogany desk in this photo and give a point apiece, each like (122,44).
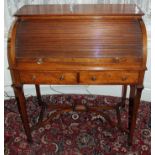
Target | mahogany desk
(78,44)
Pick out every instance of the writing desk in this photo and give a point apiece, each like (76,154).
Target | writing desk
(78,44)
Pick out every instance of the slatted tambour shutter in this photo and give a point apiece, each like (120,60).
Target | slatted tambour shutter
(86,38)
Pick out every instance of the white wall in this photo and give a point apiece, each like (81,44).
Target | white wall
(12,6)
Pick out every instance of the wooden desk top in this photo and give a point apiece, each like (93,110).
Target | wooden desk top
(80,9)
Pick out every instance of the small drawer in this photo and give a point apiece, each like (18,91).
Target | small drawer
(109,77)
(28,77)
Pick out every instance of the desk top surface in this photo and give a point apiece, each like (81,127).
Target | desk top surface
(80,9)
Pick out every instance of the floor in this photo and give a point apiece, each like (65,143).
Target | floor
(76,133)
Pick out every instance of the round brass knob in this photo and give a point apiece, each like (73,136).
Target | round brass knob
(33,77)
(39,61)
(124,78)
(62,77)
(116,60)
(93,78)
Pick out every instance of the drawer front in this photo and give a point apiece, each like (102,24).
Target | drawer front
(48,77)
(109,77)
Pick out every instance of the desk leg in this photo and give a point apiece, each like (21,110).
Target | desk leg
(38,94)
(134,102)
(124,90)
(22,109)
(40,102)
(131,102)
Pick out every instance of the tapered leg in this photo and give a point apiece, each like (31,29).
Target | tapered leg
(22,108)
(40,102)
(124,91)
(38,94)
(136,103)
(131,102)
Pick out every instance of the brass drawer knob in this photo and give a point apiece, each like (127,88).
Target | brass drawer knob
(62,77)
(116,60)
(124,78)
(33,77)
(39,61)
(93,78)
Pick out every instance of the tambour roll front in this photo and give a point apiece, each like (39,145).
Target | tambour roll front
(92,44)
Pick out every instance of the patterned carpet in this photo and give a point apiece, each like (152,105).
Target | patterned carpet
(76,133)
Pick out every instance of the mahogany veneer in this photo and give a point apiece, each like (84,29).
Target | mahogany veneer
(78,44)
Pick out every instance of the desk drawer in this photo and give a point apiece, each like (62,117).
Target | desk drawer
(48,77)
(109,77)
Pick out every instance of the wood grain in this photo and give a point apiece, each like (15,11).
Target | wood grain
(78,39)
(80,9)
(108,77)
(48,77)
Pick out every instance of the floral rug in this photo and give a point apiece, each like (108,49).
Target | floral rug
(76,133)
